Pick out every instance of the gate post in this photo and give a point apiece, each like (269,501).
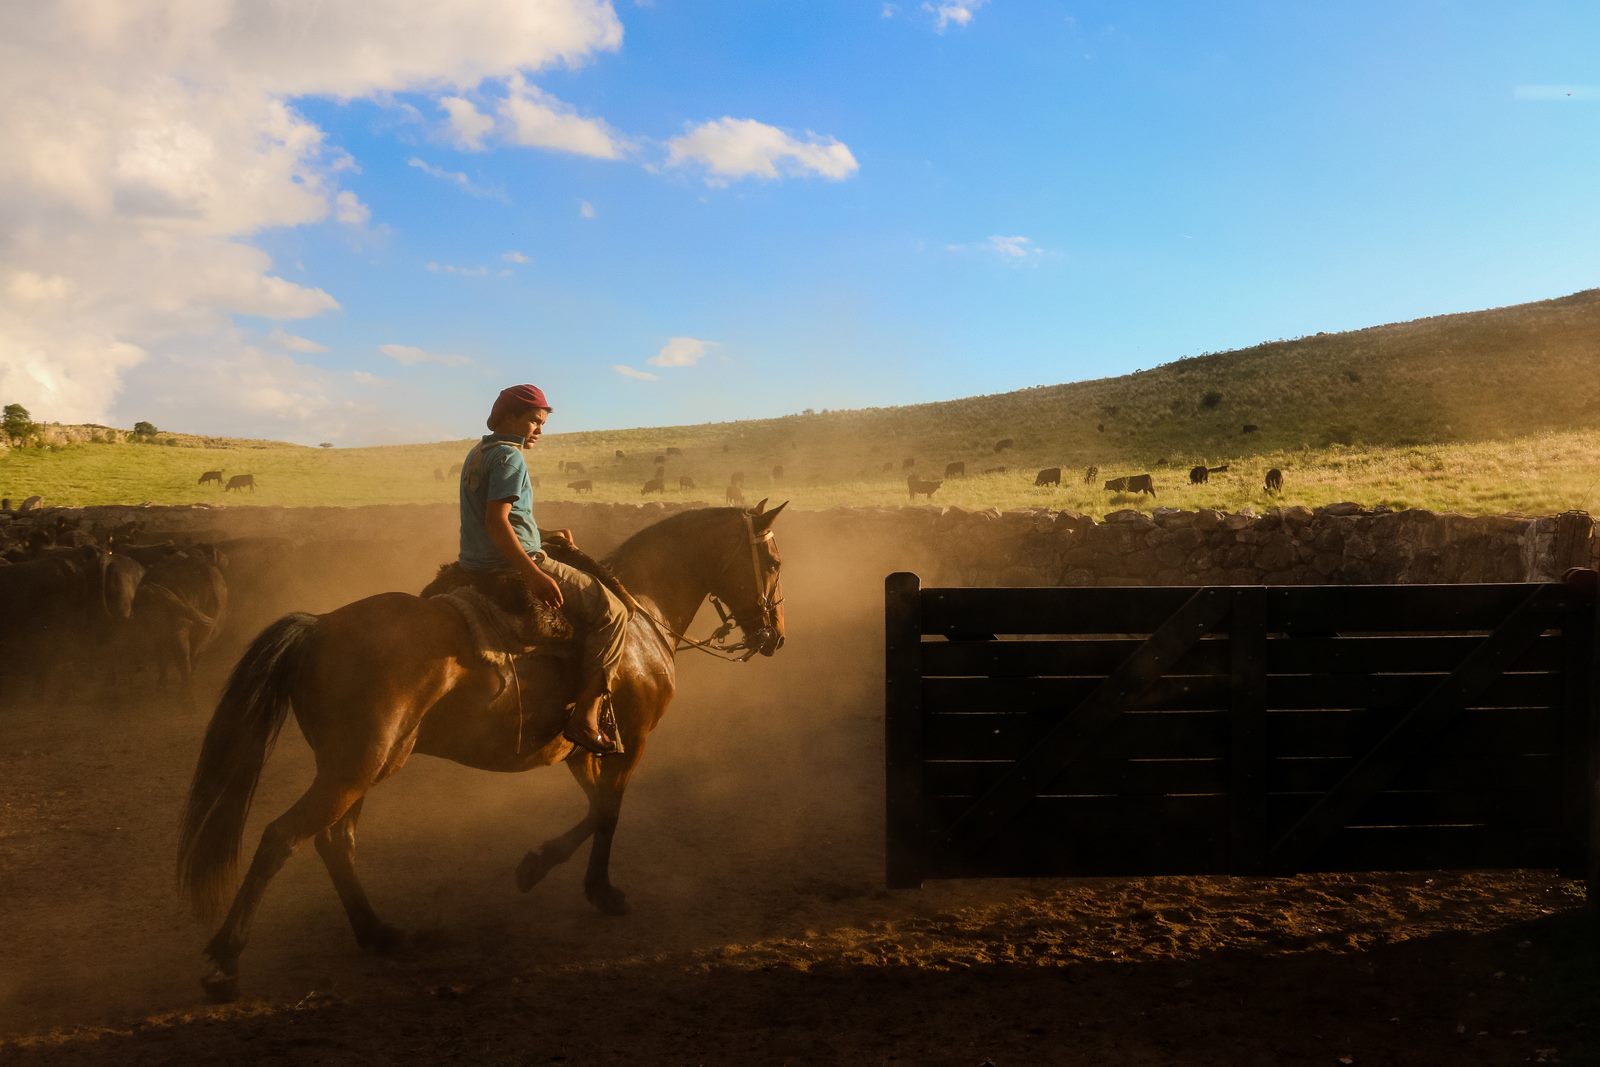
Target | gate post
(1248,756)
(905,843)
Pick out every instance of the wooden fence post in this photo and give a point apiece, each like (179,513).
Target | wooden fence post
(905,838)
(1248,757)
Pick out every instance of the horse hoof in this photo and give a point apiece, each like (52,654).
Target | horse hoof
(531,871)
(220,988)
(610,901)
(383,939)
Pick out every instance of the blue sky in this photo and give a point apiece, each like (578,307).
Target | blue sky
(965,198)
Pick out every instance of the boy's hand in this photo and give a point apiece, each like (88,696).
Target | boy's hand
(559,535)
(543,586)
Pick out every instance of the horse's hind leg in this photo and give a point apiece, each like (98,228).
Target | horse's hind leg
(337,847)
(318,808)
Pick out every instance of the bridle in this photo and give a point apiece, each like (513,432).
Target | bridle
(752,642)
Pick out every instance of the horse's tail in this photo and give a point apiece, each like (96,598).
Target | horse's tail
(240,737)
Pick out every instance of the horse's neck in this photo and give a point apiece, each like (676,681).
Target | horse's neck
(669,573)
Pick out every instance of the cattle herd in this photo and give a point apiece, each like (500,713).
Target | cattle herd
(95,602)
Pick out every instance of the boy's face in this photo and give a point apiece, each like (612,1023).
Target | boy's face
(531,425)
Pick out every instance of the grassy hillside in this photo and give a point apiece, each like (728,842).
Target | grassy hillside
(1481,412)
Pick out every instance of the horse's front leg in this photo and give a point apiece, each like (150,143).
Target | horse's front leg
(605,778)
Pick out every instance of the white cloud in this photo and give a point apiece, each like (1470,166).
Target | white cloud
(637,375)
(456,178)
(681,352)
(283,339)
(410,356)
(514,257)
(460,272)
(585,210)
(147,142)
(731,148)
(536,119)
(365,378)
(350,210)
(949,13)
(1006,247)
(888,11)
(468,125)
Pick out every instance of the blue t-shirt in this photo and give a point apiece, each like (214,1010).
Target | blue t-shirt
(495,470)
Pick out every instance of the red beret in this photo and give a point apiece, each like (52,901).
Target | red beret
(515,400)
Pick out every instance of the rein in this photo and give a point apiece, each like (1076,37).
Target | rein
(715,645)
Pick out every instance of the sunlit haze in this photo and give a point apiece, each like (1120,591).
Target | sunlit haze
(354,223)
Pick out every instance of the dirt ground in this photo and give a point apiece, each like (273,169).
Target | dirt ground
(761,932)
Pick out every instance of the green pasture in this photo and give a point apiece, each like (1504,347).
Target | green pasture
(1487,412)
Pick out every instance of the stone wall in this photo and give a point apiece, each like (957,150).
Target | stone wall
(1337,544)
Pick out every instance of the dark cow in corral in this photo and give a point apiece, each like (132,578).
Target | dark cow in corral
(1048,476)
(1003,444)
(654,485)
(1249,427)
(582,485)
(241,482)
(60,606)
(736,478)
(917,485)
(734,495)
(685,482)
(178,612)
(1274,480)
(1132,483)
(1090,474)
(210,476)
(955,470)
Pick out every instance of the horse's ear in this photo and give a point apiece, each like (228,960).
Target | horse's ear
(765,521)
(758,506)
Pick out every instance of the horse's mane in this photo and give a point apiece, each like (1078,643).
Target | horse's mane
(667,525)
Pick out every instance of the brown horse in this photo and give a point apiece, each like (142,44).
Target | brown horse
(374,681)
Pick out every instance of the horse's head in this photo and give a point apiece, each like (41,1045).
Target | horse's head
(748,581)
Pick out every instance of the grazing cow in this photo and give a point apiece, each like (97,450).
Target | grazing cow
(917,485)
(1250,427)
(735,495)
(1198,475)
(685,482)
(1048,476)
(1133,483)
(210,476)
(672,450)
(1090,474)
(582,485)
(575,468)
(241,482)
(1274,480)
(1003,444)
(955,470)
(654,485)
(888,466)
(777,473)
(907,463)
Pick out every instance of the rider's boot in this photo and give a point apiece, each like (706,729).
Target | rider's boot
(583,726)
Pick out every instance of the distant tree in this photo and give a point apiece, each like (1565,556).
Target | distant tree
(1211,398)
(145,429)
(17,423)
(326,444)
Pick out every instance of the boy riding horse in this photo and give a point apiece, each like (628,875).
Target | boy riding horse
(498,533)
